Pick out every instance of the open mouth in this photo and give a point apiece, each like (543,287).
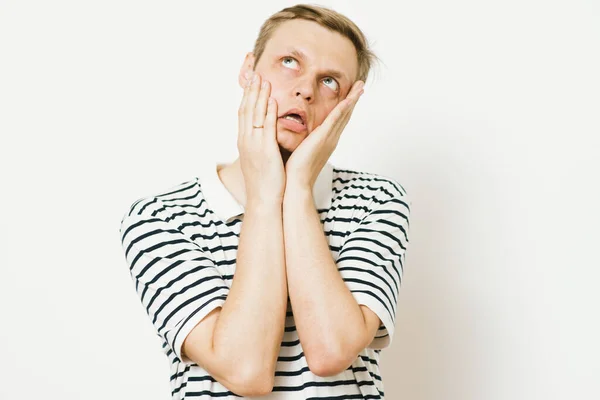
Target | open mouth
(294,117)
(294,122)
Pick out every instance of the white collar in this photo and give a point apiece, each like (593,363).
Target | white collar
(222,202)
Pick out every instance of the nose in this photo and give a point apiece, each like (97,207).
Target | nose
(305,89)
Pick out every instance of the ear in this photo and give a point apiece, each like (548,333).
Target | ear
(247,67)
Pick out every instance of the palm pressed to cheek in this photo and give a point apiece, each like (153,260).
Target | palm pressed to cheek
(300,83)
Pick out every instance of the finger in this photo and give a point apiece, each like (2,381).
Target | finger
(357,87)
(350,108)
(261,104)
(335,114)
(251,101)
(271,119)
(340,123)
(242,112)
(353,96)
(343,107)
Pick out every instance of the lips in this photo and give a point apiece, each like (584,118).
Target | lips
(294,117)
(294,120)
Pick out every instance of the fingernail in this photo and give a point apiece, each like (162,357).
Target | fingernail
(254,77)
(264,84)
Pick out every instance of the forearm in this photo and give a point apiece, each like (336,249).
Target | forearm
(328,318)
(251,325)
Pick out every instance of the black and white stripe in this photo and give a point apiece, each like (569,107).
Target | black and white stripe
(181,258)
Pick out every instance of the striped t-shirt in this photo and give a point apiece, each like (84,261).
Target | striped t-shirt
(181,245)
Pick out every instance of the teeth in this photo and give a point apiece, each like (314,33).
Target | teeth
(299,120)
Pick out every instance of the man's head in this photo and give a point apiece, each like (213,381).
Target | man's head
(311,56)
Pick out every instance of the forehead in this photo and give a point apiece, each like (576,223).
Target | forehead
(325,49)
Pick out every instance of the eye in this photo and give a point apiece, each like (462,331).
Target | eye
(289,61)
(330,81)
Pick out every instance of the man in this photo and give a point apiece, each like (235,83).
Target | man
(277,275)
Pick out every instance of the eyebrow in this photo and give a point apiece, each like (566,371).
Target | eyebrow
(333,72)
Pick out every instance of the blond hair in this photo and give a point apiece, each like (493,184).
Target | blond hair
(325,17)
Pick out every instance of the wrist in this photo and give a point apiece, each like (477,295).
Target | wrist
(297,194)
(263,206)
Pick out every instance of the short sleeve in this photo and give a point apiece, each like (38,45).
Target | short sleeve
(371,261)
(176,281)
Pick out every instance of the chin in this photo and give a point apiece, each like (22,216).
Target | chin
(289,140)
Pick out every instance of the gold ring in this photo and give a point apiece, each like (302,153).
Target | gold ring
(258,127)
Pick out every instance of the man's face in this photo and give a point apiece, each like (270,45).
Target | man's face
(311,69)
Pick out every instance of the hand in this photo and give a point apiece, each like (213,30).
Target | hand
(305,163)
(260,158)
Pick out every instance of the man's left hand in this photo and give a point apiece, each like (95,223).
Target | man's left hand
(308,159)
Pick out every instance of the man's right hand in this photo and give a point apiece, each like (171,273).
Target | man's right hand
(260,157)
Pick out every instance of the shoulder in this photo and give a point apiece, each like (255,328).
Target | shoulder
(369,186)
(160,203)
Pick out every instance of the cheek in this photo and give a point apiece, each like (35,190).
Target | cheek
(281,83)
(277,90)
(323,113)
(275,79)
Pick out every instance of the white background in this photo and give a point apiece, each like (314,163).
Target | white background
(487,112)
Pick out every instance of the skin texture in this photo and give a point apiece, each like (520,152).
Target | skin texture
(332,327)
(302,83)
